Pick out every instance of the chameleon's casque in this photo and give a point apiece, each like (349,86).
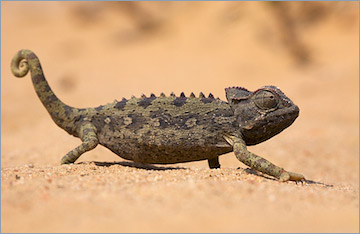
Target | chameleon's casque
(172,129)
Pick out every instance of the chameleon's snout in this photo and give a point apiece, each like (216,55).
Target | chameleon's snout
(294,112)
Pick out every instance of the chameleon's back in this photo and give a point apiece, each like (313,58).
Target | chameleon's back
(165,129)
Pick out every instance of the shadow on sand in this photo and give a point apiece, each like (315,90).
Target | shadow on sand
(164,168)
(135,165)
(253,172)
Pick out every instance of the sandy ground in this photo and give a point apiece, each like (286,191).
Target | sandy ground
(93,53)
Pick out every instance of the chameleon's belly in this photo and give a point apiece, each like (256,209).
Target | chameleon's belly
(165,149)
(166,154)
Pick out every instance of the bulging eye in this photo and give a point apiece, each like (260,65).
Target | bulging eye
(265,99)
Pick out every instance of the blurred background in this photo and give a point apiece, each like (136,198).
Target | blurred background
(95,52)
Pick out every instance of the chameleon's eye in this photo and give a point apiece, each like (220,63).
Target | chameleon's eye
(266,99)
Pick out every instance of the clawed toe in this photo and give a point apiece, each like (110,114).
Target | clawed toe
(291,176)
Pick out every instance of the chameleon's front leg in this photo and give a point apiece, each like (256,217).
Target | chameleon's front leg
(89,141)
(260,164)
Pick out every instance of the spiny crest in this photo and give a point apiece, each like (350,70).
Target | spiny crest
(172,94)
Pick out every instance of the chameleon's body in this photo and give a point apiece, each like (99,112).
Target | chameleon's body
(170,129)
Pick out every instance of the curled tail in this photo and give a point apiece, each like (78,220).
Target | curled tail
(62,114)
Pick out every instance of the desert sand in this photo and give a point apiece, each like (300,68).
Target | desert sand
(94,52)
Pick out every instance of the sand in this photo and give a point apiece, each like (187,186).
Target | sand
(93,53)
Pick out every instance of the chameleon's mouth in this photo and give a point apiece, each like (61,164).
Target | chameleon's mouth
(293,111)
(271,125)
(285,117)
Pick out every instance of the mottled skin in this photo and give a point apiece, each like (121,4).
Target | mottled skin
(170,129)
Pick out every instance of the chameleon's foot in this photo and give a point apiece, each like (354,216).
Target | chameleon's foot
(66,160)
(287,175)
(214,163)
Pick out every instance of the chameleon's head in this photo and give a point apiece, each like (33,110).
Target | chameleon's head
(261,114)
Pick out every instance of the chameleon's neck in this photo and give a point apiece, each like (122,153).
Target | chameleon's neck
(62,114)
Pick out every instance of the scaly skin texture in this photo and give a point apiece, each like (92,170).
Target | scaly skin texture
(170,129)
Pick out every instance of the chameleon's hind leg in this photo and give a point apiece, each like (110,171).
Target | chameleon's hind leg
(214,163)
(89,139)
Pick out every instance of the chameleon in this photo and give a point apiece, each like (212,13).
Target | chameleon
(172,129)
